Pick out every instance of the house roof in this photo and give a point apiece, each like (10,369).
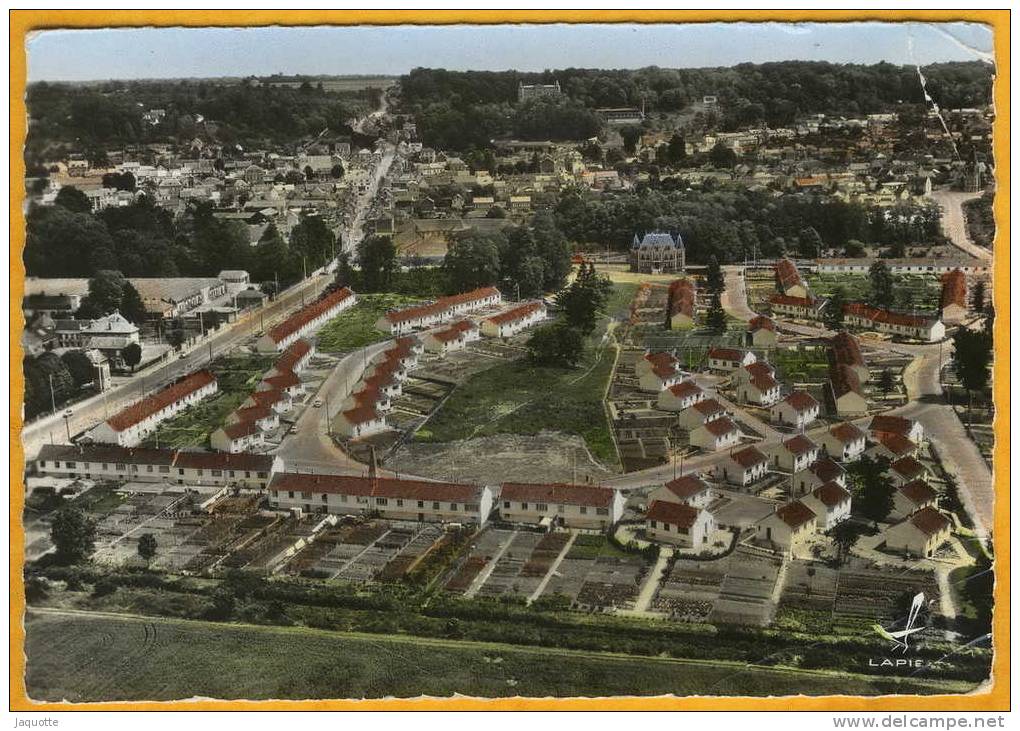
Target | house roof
(240,429)
(801,401)
(748,457)
(361,415)
(918,492)
(764,383)
(687,486)
(843,380)
(721,426)
(785,299)
(954,289)
(685,389)
(831,494)
(293,355)
(786,274)
(708,407)
(891,424)
(732,355)
(760,368)
(846,432)
(672,513)
(681,298)
(466,297)
(897,444)
(558,493)
(795,514)
(929,521)
(253,413)
(799,444)
(761,323)
(661,359)
(517,313)
(368,396)
(141,410)
(375,487)
(908,467)
(826,469)
(308,313)
(877,314)
(284,380)
(268,398)
(845,349)
(129,455)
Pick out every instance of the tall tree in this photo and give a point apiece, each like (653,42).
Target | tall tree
(832,313)
(557,345)
(882,285)
(132,355)
(977,296)
(73,200)
(715,319)
(73,534)
(972,356)
(714,281)
(79,366)
(147,546)
(377,256)
(473,261)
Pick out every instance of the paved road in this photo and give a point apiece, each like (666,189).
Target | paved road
(734,299)
(954,223)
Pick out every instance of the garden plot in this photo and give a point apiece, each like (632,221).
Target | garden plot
(368,552)
(507,576)
(117,532)
(226,535)
(487,545)
(612,582)
(421,396)
(409,552)
(809,596)
(268,551)
(745,596)
(690,590)
(865,597)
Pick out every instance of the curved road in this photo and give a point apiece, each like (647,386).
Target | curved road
(954,222)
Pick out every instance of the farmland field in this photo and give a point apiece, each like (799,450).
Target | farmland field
(355,328)
(519,398)
(102,657)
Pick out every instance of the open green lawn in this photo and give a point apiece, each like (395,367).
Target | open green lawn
(355,328)
(519,398)
(800,365)
(81,657)
(592,547)
(236,376)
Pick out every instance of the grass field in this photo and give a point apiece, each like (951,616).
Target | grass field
(355,328)
(800,365)
(592,547)
(119,658)
(519,398)
(236,376)
(911,290)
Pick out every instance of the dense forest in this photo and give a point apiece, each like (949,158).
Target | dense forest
(464,109)
(731,224)
(104,115)
(144,240)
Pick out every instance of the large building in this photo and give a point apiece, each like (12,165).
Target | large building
(110,334)
(574,506)
(390,498)
(657,252)
(526,92)
(120,464)
(306,319)
(133,424)
(917,327)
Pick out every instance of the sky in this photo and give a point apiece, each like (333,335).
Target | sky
(84,55)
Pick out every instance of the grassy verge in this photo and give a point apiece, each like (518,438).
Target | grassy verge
(519,398)
(106,658)
(236,377)
(355,328)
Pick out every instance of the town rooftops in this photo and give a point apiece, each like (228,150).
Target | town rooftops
(844,380)
(749,457)
(293,354)
(799,444)
(687,486)
(253,413)
(672,513)
(127,455)
(918,492)
(142,410)
(929,521)
(908,467)
(795,514)
(240,429)
(661,358)
(516,313)
(846,432)
(375,487)
(954,289)
(302,317)
(558,493)
(801,401)
(831,494)
(760,369)
(761,323)
(788,301)
(897,444)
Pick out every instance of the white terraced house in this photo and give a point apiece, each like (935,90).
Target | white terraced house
(241,436)
(830,503)
(844,441)
(509,323)
(794,454)
(688,490)
(743,467)
(679,524)
(129,427)
(927,329)
(729,359)
(450,339)
(574,506)
(715,435)
(305,320)
(680,396)
(119,464)
(361,421)
(419,317)
(798,409)
(392,499)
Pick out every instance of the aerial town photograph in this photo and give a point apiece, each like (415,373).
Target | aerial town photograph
(510,361)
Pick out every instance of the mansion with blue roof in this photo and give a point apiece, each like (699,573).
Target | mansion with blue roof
(657,252)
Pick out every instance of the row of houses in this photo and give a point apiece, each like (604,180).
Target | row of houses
(305,320)
(259,414)
(363,412)
(419,317)
(129,427)
(847,372)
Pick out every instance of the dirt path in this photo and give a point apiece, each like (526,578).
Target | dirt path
(954,222)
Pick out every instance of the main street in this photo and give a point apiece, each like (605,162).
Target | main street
(954,222)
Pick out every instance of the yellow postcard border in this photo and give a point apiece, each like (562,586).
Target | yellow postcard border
(994,697)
